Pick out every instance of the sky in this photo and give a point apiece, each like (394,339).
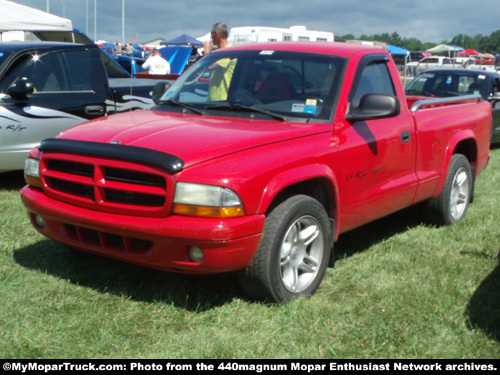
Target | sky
(427,20)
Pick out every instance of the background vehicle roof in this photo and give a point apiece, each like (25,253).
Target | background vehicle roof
(464,72)
(16,46)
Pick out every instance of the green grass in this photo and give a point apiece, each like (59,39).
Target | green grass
(399,289)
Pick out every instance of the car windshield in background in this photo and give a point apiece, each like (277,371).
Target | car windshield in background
(447,84)
(3,56)
(260,84)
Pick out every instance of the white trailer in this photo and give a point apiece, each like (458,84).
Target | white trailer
(254,34)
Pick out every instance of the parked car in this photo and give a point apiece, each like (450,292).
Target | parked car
(454,82)
(484,59)
(417,56)
(46,87)
(133,65)
(431,62)
(255,160)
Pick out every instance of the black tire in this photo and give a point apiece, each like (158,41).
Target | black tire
(451,205)
(293,253)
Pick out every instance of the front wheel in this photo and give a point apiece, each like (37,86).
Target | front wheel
(451,205)
(293,253)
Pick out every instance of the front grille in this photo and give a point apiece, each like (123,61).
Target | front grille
(119,196)
(80,190)
(123,187)
(113,174)
(79,169)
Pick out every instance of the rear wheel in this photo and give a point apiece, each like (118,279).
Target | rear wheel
(293,253)
(451,205)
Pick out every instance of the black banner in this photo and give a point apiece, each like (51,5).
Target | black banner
(253,366)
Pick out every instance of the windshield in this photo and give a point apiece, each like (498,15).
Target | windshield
(445,84)
(259,84)
(3,56)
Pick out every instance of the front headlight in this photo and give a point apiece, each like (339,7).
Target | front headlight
(32,171)
(206,201)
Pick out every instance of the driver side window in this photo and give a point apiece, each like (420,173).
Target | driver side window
(375,79)
(43,72)
(62,71)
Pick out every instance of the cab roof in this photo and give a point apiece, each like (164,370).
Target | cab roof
(327,48)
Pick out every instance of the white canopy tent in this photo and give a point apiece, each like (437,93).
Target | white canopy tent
(444,49)
(16,17)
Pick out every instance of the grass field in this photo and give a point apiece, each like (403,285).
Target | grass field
(399,289)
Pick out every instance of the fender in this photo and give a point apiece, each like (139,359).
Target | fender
(303,173)
(464,135)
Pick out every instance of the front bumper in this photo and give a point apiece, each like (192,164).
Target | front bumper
(160,243)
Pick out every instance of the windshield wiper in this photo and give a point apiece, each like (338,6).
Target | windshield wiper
(183,105)
(240,107)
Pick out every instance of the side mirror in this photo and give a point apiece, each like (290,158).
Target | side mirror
(160,89)
(21,89)
(494,98)
(374,106)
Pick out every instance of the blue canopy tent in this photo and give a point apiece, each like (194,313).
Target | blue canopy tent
(401,55)
(178,51)
(182,40)
(393,50)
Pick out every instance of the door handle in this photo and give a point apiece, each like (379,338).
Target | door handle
(94,110)
(405,136)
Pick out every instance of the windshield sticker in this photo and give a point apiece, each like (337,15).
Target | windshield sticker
(481,76)
(448,80)
(311,106)
(266,52)
(298,107)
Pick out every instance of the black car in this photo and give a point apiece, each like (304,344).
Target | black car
(48,87)
(455,82)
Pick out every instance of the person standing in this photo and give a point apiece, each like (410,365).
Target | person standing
(221,70)
(218,35)
(156,64)
(129,50)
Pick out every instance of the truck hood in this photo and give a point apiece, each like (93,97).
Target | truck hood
(193,138)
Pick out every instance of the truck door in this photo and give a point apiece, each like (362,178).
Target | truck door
(376,156)
(64,95)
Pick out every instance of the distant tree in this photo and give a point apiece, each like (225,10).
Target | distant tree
(481,43)
(464,41)
(396,39)
(495,42)
(412,44)
(346,37)
(427,46)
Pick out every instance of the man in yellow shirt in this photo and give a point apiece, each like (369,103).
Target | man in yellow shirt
(222,70)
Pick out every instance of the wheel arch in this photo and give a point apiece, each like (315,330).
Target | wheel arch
(463,143)
(317,181)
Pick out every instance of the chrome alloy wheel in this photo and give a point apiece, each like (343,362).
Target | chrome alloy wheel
(460,194)
(301,253)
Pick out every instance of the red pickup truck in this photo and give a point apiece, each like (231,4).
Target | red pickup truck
(255,160)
